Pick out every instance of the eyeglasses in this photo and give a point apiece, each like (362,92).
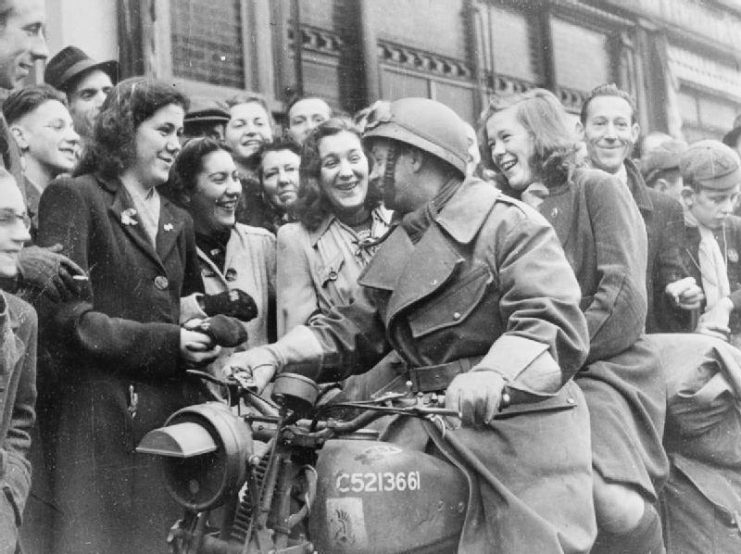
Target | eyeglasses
(8,217)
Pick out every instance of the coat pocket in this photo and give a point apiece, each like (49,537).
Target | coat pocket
(454,305)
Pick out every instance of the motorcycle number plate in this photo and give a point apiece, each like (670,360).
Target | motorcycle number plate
(385,481)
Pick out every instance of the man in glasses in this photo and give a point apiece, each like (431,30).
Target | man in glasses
(18,330)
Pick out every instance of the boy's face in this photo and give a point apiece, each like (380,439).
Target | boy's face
(710,207)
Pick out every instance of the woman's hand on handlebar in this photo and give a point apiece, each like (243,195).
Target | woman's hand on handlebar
(252,369)
(197,349)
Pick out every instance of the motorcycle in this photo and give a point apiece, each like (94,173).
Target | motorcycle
(290,476)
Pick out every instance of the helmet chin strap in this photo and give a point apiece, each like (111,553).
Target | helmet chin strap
(392,155)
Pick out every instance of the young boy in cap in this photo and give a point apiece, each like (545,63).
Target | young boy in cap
(711,172)
(660,168)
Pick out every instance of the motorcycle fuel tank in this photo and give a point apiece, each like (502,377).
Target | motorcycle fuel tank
(378,497)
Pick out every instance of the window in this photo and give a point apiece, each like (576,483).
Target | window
(207,41)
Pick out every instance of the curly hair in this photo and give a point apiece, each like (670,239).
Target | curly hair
(25,100)
(129,103)
(188,165)
(312,205)
(545,119)
(282,143)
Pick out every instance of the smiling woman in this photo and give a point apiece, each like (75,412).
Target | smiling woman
(234,258)
(120,351)
(340,214)
(601,230)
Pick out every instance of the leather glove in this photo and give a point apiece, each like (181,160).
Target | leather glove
(252,369)
(477,395)
(52,273)
(222,329)
(234,302)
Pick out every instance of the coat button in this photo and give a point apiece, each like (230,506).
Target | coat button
(457,315)
(332,275)
(231,274)
(161,282)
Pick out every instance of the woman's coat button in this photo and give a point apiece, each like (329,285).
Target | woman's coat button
(161,282)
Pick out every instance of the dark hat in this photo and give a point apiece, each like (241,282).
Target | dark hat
(662,157)
(711,164)
(731,137)
(71,62)
(206,110)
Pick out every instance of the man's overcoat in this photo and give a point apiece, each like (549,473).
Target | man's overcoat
(486,286)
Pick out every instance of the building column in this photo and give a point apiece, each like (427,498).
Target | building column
(369,52)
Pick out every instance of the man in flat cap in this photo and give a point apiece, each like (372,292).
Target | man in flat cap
(711,172)
(660,168)
(86,83)
(206,118)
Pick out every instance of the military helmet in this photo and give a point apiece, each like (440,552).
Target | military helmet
(426,124)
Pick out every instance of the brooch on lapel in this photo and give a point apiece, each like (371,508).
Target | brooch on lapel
(127,217)
(168,227)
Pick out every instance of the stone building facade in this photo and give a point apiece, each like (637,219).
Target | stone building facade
(680,58)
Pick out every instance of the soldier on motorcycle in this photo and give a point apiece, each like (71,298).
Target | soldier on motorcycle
(473,291)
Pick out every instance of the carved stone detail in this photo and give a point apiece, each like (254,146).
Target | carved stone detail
(571,99)
(421,60)
(318,40)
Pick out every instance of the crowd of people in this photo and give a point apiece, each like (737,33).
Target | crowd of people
(574,291)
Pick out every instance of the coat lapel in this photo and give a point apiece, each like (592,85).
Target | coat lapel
(169,228)
(215,271)
(432,262)
(413,272)
(388,263)
(560,209)
(135,231)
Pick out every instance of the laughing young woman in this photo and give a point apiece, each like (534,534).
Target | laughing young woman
(339,213)
(237,261)
(120,354)
(532,144)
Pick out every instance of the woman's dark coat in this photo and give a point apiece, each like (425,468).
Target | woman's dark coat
(604,238)
(117,371)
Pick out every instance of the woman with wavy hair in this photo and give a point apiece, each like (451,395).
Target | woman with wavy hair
(339,215)
(532,145)
(119,352)
(237,261)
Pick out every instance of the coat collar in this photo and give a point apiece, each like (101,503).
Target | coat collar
(638,187)
(170,222)
(236,243)
(466,211)
(13,347)
(379,214)
(412,272)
